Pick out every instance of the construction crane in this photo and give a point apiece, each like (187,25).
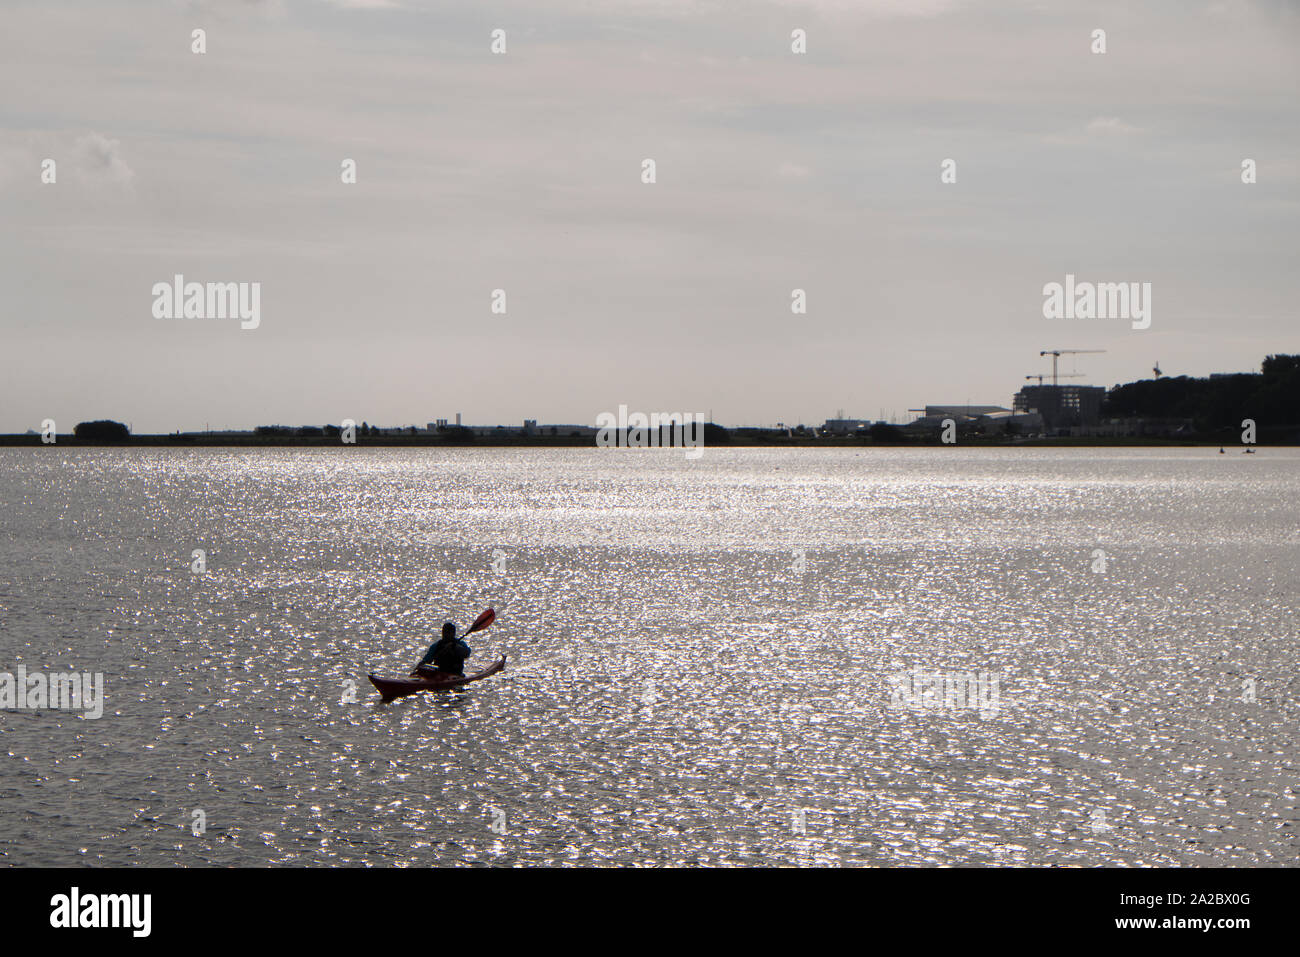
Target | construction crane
(1040,378)
(1057,353)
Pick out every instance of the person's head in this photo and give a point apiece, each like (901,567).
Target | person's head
(448,630)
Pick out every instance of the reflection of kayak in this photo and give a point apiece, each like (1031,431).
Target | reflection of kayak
(390,688)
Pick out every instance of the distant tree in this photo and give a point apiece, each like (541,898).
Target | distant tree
(1271,397)
(1278,366)
(883,434)
(1277,401)
(102,430)
(310,430)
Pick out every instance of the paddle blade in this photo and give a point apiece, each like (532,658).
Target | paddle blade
(482,621)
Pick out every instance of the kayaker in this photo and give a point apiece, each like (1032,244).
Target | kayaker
(447,654)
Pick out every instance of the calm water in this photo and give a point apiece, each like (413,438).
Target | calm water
(700,656)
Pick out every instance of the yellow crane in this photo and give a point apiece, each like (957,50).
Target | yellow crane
(1057,353)
(1069,375)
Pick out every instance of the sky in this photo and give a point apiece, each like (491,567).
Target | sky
(523,171)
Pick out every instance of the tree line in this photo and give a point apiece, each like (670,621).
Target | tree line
(1271,397)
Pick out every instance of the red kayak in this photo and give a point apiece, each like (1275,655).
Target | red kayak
(390,688)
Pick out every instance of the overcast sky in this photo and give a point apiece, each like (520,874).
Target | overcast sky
(522,172)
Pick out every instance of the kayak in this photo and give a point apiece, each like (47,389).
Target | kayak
(390,688)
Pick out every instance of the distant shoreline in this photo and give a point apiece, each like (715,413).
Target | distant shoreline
(734,440)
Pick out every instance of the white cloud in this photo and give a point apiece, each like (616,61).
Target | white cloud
(97,160)
(367,4)
(1111,126)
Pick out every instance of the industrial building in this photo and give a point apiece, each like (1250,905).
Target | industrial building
(1062,406)
(986,419)
(842,426)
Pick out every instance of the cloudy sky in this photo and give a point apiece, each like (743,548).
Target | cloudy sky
(522,172)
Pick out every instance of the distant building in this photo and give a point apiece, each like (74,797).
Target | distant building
(1019,423)
(844,426)
(531,428)
(966,416)
(978,418)
(1062,406)
(969,411)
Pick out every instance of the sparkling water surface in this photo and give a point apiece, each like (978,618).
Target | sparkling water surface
(700,655)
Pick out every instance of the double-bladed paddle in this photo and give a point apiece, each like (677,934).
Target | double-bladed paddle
(481,622)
